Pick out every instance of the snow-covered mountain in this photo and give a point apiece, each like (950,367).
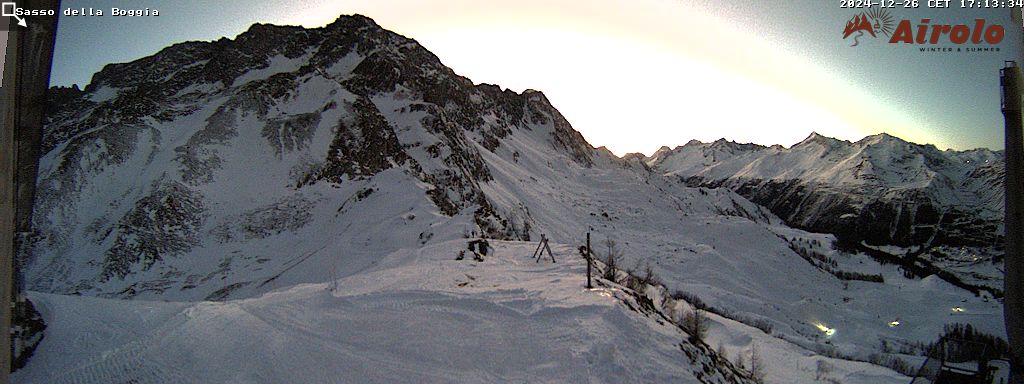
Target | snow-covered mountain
(943,209)
(200,159)
(880,189)
(257,170)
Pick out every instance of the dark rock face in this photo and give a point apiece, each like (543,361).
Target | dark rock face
(291,133)
(881,190)
(319,101)
(902,218)
(288,214)
(361,147)
(199,161)
(27,332)
(565,137)
(165,223)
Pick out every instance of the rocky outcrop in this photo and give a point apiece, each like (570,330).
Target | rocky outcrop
(158,159)
(881,190)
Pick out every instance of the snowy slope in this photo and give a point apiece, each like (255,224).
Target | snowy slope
(894,192)
(946,206)
(198,189)
(419,317)
(250,171)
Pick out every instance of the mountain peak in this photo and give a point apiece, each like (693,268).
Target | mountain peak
(263,28)
(881,138)
(733,146)
(814,136)
(325,106)
(723,143)
(353,20)
(817,138)
(535,93)
(634,155)
(662,151)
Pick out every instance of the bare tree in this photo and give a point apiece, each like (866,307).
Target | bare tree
(696,324)
(823,369)
(611,269)
(332,271)
(649,277)
(757,367)
(668,306)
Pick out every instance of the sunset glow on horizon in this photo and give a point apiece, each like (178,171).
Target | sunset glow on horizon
(634,76)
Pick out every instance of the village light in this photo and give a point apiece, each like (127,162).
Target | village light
(828,331)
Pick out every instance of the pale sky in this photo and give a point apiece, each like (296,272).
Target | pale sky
(635,75)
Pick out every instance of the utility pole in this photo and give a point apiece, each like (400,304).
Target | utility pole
(30,42)
(1012,83)
(589,262)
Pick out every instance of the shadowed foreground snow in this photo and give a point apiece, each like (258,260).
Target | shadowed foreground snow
(418,316)
(432,319)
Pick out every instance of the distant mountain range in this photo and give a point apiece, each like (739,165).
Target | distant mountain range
(880,189)
(942,210)
(289,157)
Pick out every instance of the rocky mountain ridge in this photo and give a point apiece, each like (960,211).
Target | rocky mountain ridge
(287,80)
(880,189)
(930,211)
(290,158)
(178,165)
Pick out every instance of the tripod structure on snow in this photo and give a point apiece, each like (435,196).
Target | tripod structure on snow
(543,246)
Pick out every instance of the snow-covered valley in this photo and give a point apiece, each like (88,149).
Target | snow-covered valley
(287,206)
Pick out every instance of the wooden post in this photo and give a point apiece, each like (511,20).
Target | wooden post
(542,246)
(1013,302)
(548,247)
(26,77)
(7,220)
(537,253)
(589,262)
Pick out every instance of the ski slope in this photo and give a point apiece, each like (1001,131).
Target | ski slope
(418,316)
(225,213)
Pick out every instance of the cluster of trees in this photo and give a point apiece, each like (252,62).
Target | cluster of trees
(695,323)
(958,341)
(962,342)
(630,277)
(828,264)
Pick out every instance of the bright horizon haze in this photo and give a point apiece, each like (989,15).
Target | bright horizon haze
(635,76)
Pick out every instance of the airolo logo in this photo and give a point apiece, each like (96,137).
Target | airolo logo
(874,22)
(956,34)
(877,22)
